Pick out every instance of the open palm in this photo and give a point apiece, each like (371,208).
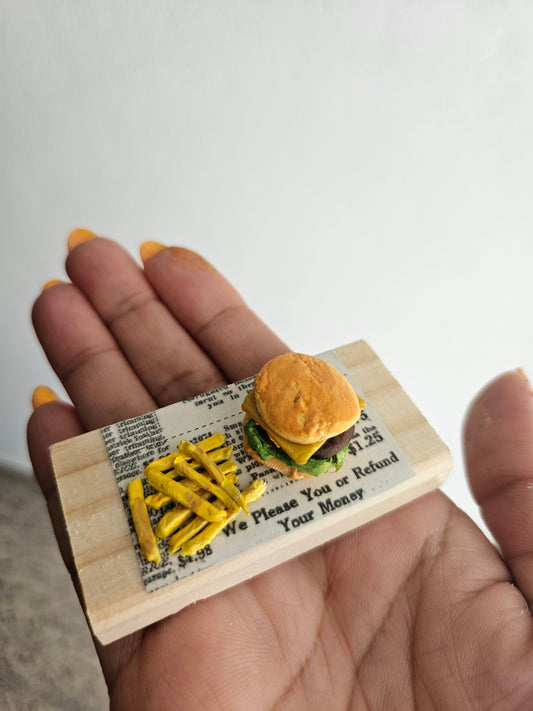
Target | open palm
(415,610)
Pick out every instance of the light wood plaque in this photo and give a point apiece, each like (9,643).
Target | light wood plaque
(115,597)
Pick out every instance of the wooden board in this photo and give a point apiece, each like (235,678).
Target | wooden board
(115,598)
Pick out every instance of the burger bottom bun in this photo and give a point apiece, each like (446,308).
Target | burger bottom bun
(274,463)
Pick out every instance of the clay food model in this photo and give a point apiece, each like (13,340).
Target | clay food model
(300,416)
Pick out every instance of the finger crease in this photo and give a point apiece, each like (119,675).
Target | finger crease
(134,303)
(215,319)
(84,357)
(503,488)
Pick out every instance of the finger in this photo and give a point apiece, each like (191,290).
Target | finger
(498,442)
(99,380)
(164,356)
(212,311)
(52,422)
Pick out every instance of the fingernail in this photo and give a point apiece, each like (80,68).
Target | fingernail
(41,395)
(148,249)
(190,259)
(78,236)
(52,282)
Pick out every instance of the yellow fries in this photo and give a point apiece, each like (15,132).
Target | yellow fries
(141,521)
(176,541)
(202,480)
(157,501)
(184,496)
(162,464)
(172,520)
(205,483)
(209,531)
(200,456)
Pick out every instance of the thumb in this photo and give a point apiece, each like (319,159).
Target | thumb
(498,446)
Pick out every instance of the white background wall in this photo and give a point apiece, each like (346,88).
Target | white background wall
(359,169)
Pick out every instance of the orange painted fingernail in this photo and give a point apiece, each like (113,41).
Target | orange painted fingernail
(191,260)
(52,282)
(41,395)
(78,236)
(148,249)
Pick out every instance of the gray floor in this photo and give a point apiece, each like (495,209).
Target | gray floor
(47,659)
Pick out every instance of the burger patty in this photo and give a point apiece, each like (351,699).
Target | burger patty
(334,444)
(331,446)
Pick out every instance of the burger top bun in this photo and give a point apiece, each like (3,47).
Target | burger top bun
(305,399)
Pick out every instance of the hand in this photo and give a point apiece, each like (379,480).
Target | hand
(417,609)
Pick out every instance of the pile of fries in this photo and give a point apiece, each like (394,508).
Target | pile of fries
(201,481)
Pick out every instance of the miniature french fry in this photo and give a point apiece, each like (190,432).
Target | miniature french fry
(200,456)
(195,452)
(220,454)
(228,469)
(204,483)
(174,518)
(212,442)
(164,463)
(184,496)
(209,443)
(176,541)
(215,455)
(251,493)
(158,500)
(141,521)
(236,495)
(205,445)
(193,528)
(167,464)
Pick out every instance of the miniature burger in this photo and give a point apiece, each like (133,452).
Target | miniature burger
(300,416)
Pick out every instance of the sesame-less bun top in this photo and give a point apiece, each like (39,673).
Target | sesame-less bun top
(305,399)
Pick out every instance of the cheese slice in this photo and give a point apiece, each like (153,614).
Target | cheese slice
(301,453)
